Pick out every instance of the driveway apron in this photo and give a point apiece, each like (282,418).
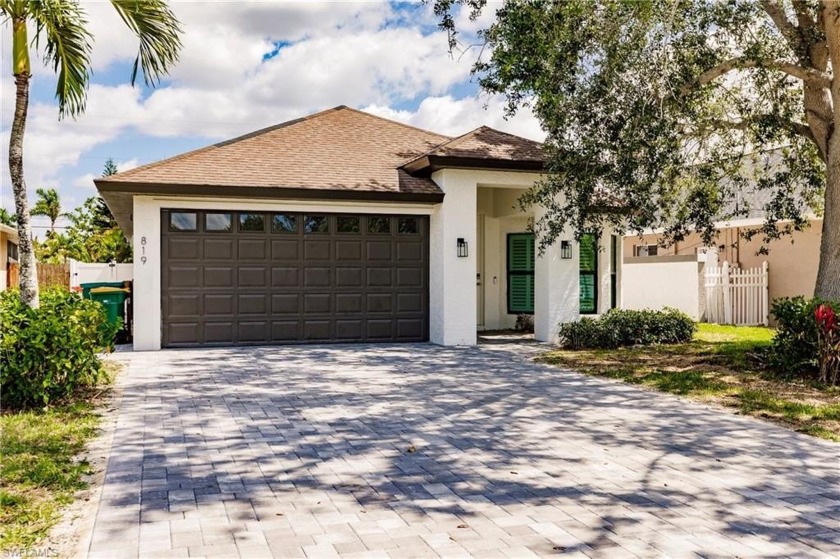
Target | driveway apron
(421,451)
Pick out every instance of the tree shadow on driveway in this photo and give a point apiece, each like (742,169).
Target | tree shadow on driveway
(417,449)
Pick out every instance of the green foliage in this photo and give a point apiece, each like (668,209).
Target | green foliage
(49,352)
(794,350)
(7,218)
(664,114)
(48,205)
(618,328)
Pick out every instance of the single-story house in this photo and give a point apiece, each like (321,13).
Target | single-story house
(8,254)
(346,227)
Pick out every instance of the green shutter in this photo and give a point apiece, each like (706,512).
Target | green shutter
(521,273)
(588,274)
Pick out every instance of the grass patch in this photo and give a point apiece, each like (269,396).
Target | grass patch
(40,473)
(720,365)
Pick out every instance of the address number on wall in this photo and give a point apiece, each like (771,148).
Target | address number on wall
(143,250)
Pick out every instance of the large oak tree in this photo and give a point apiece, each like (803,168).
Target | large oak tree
(673,112)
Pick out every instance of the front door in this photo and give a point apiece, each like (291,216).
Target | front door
(479,269)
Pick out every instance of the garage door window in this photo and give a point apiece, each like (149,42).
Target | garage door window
(316,224)
(408,226)
(252,222)
(217,222)
(348,224)
(284,223)
(379,225)
(183,221)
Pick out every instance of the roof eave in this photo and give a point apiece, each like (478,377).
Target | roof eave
(429,163)
(264,192)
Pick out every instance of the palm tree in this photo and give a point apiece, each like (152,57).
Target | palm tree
(48,205)
(6,218)
(61,27)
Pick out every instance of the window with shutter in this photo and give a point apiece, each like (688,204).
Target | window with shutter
(588,274)
(520,271)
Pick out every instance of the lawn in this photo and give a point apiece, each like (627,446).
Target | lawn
(720,365)
(43,466)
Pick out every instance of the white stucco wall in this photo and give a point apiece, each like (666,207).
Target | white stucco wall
(665,281)
(557,288)
(146,244)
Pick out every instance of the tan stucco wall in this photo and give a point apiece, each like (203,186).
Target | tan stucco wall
(793,259)
(4,260)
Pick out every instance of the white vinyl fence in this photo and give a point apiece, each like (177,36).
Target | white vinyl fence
(89,272)
(737,296)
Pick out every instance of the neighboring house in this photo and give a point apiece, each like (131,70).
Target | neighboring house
(656,276)
(8,253)
(347,227)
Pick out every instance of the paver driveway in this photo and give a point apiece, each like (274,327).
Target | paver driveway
(416,450)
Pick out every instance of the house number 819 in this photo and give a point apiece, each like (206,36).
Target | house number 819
(143,249)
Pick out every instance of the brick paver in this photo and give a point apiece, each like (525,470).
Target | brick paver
(421,451)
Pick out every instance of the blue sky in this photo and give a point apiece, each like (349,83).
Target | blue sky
(244,66)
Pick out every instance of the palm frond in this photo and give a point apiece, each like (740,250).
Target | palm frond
(61,23)
(159,32)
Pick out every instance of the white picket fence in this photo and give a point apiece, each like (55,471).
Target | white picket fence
(90,272)
(737,296)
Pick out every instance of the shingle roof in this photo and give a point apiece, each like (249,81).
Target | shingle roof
(337,149)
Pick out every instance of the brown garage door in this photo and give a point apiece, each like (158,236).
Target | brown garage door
(259,278)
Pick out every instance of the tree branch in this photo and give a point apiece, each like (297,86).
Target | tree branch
(789,31)
(720,124)
(810,76)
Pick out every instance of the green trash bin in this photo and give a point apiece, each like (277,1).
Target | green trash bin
(113,299)
(86,287)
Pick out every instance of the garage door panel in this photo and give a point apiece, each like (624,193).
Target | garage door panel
(285,276)
(253,303)
(348,330)
(253,276)
(219,276)
(379,250)
(316,277)
(253,331)
(218,249)
(285,303)
(253,249)
(363,279)
(317,250)
(219,304)
(380,302)
(315,303)
(348,302)
(379,277)
(184,332)
(285,249)
(317,330)
(187,304)
(184,248)
(219,332)
(409,277)
(183,276)
(349,277)
(348,250)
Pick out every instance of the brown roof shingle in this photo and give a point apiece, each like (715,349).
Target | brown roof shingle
(337,149)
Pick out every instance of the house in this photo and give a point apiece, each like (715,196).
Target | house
(657,276)
(8,254)
(346,227)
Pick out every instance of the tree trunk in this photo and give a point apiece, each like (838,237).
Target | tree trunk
(26,252)
(828,275)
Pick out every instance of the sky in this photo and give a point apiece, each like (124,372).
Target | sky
(245,66)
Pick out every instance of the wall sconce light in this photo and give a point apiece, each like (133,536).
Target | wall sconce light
(566,250)
(463,248)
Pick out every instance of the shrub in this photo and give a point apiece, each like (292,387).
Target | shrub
(618,328)
(828,343)
(47,353)
(795,346)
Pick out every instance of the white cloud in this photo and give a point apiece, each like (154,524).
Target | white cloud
(85,181)
(454,117)
(127,165)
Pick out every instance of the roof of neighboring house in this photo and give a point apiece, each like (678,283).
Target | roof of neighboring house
(483,147)
(9,231)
